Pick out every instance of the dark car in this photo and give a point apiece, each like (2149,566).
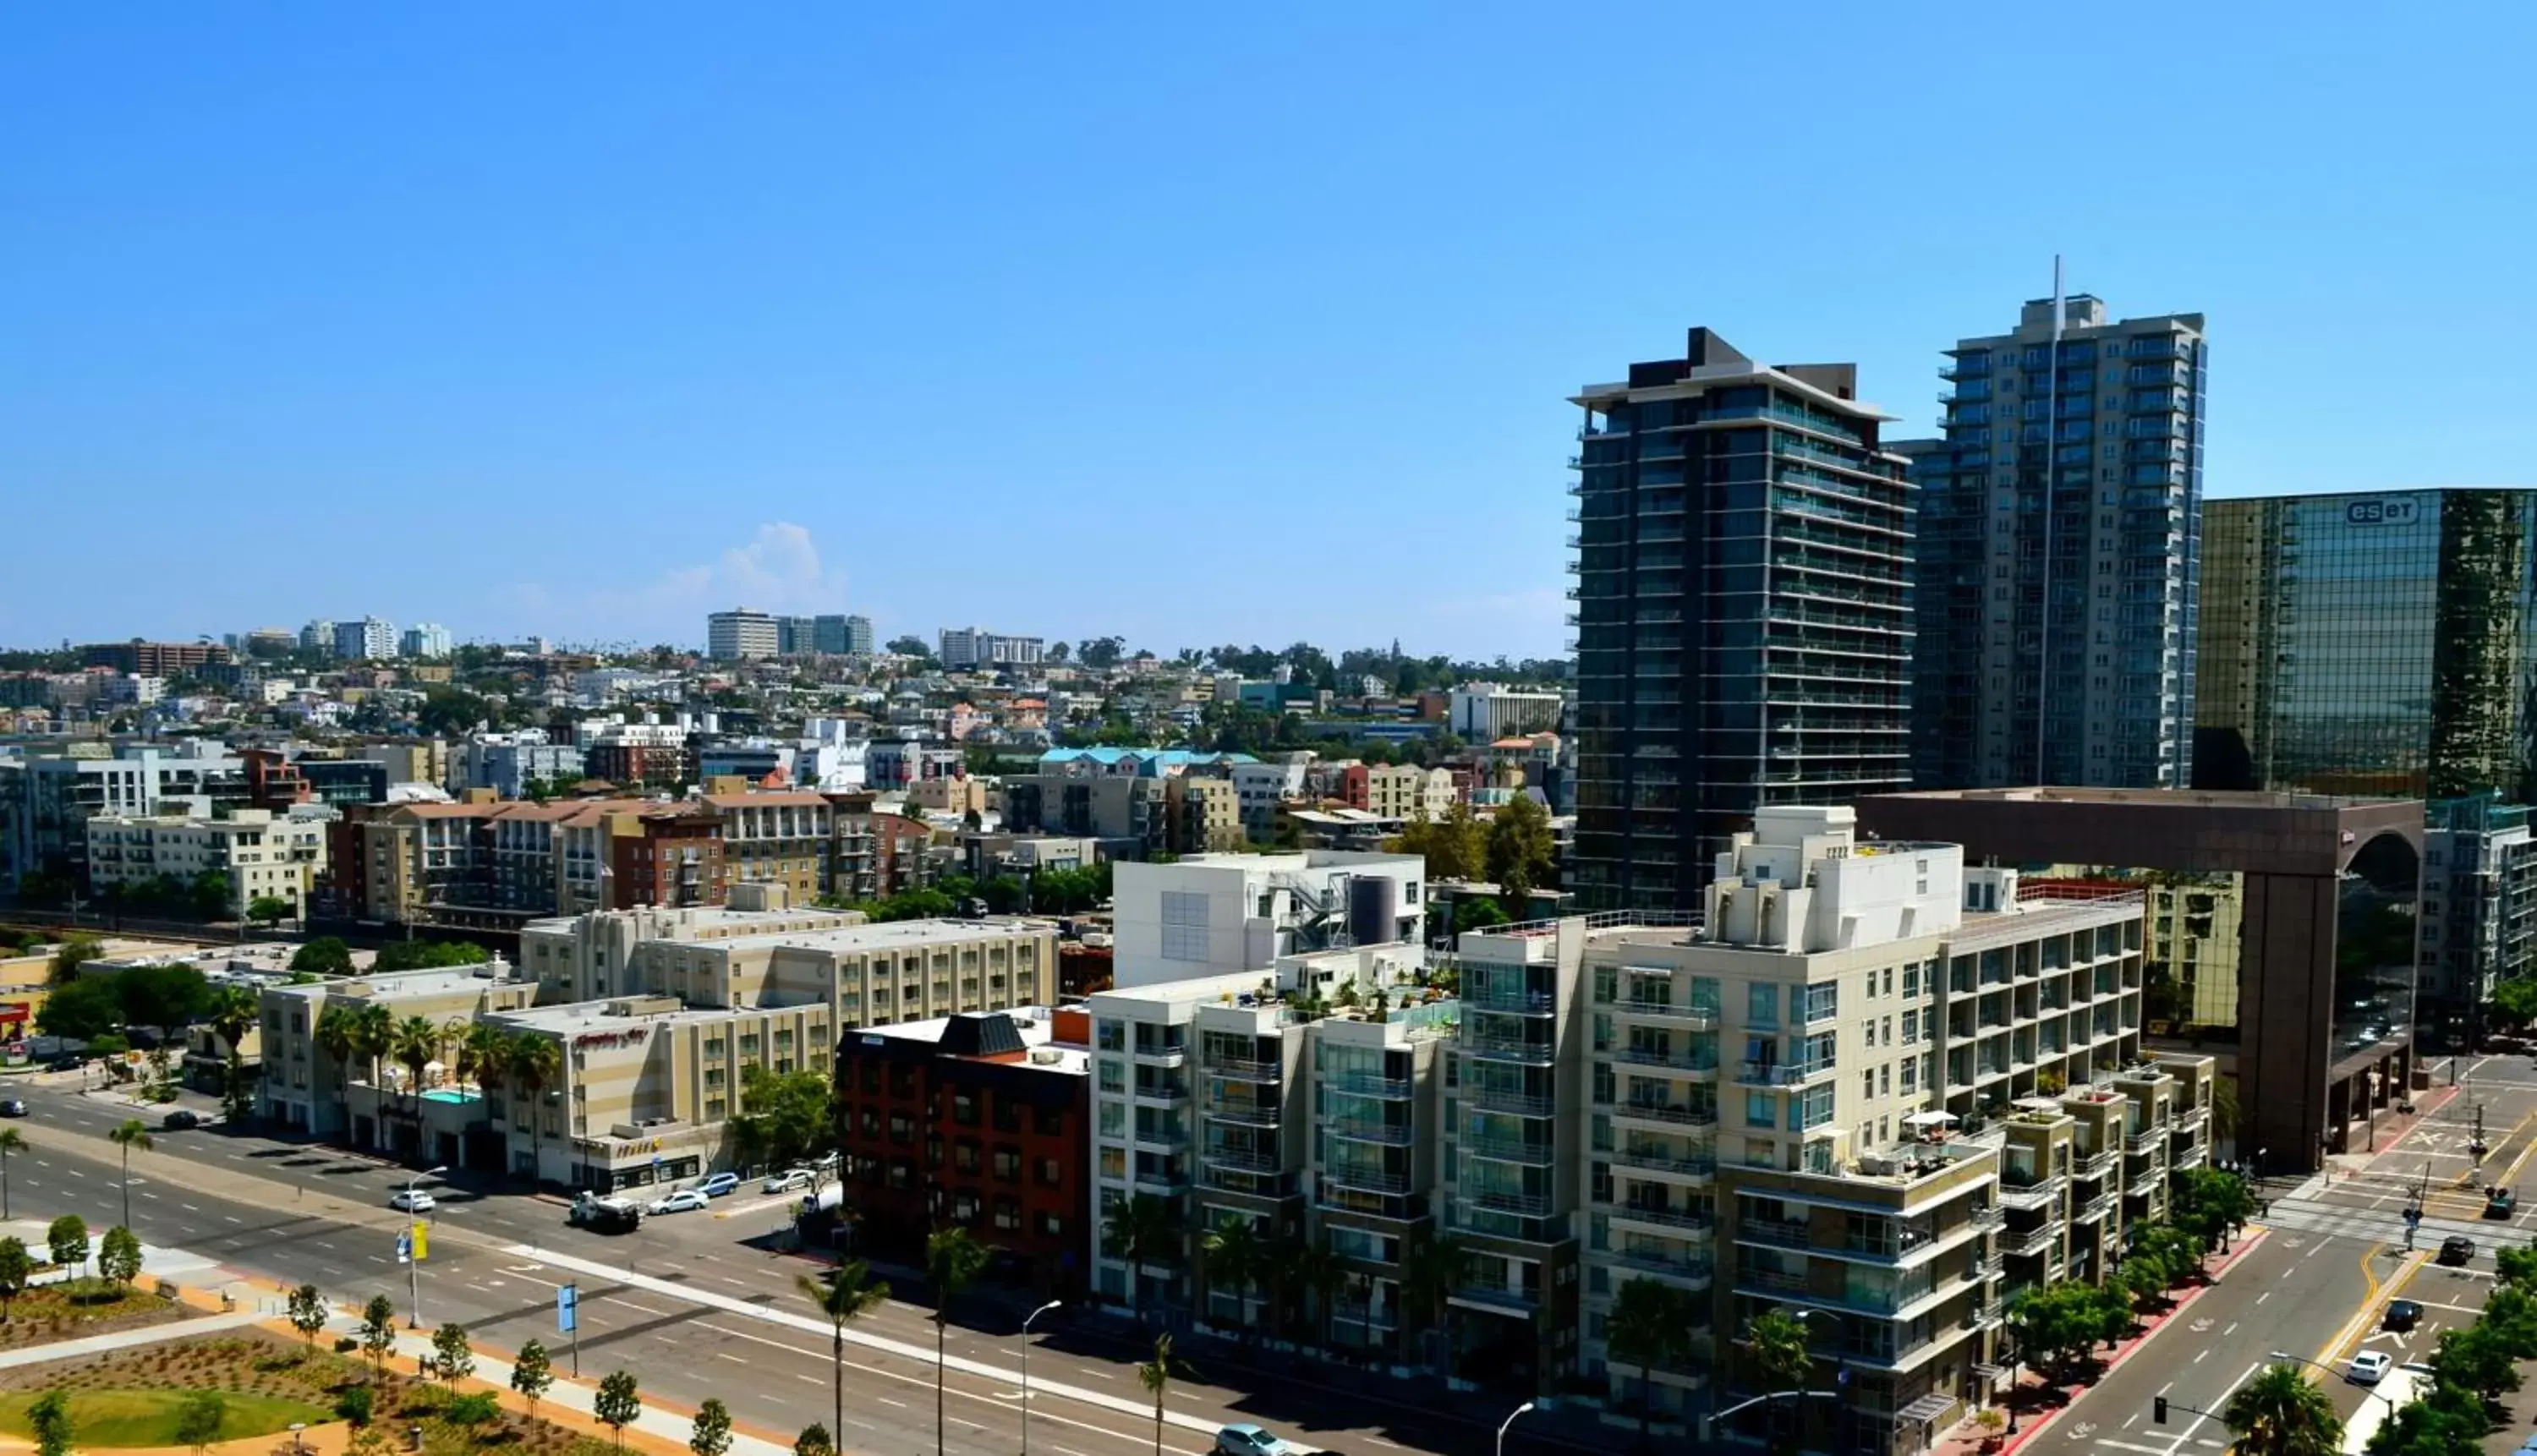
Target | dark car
(2401,1315)
(2456,1249)
(180,1121)
(2499,1203)
(66,1063)
(13,1107)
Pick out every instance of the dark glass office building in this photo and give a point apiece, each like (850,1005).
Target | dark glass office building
(2056,571)
(1743,611)
(2376,644)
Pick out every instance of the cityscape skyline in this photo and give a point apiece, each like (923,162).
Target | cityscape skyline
(692,320)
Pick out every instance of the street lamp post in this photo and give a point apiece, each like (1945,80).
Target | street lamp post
(1840,1356)
(414,1256)
(1026,1325)
(1510,1420)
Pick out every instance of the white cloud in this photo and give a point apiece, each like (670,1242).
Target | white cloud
(779,569)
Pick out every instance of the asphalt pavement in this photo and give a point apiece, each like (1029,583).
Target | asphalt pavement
(697,1304)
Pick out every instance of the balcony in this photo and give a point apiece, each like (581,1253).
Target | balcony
(1775,1233)
(2043,1193)
(2093,1165)
(1364,1179)
(1665,1012)
(1992,1217)
(1367,1130)
(1782,1074)
(1529,1205)
(1162,1092)
(1663,1218)
(1669,1061)
(1372,1084)
(1676,1115)
(1693,1167)
(1506,1100)
(1245,1115)
(1244,1160)
(1245,1069)
(1695,1273)
(2094,1209)
(1509,1150)
(2146,1139)
(1531,1050)
(1497,1296)
(2034,1241)
(1517,999)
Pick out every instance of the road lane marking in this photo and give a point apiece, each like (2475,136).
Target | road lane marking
(797,1375)
(637,1309)
(2266,1295)
(189,1208)
(2128,1420)
(886,1401)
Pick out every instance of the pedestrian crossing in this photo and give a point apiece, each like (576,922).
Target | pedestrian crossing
(2373,1226)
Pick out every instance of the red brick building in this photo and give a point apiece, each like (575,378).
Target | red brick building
(981,1120)
(664,854)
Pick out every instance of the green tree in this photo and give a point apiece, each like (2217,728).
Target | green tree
(354,1406)
(50,1419)
(451,1354)
(197,1417)
(11,1141)
(785,1117)
(2514,1001)
(2282,1413)
(1783,1358)
(709,1433)
(75,951)
(1139,1231)
(66,1240)
(327,955)
(535,1064)
(1234,1256)
(954,1261)
(2210,1204)
(1477,913)
(814,1440)
(1003,894)
(847,1293)
(472,1411)
(2516,1268)
(308,1313)
(15,1269)
(532,1374)
(378,1331)
(1650,1326)
(129,1134)
(81,1010)
(1454,846)
(2447,1422)
(1434,1268)
(270,910)
(619,1405)
(212,893)
(1156,1377)
(118,1257)
(2478,1358)
(1521,853)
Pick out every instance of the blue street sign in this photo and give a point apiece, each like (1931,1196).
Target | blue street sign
(404,1248)
(568,1309)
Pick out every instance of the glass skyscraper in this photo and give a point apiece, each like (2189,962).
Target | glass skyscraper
(2073,664)
(2371,644)
(1743,611)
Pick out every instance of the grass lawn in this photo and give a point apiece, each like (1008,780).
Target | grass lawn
(147,1418)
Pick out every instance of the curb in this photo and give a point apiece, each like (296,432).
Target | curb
(2255,1234)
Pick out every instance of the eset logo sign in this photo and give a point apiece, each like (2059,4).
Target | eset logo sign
(2396,512)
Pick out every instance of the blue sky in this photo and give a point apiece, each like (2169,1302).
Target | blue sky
(1190,322)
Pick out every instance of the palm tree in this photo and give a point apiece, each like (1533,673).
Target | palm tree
(535,1063)
(1651,1325)
(953,1262)
(417,1045)
(131,1134)
(1782,1355)
(479,1055)
(1234,1255)
(374,1034)
(1435,1268)
(2282,1413)
(10,1142)
(338,1037)
(1156,1375)
(849,1290)
(1139,1230)
(1318,1270)
(234,1010)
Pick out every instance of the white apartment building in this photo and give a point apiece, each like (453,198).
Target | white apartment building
(1260,789)
(1406,791)
(741,633)
(1485,712)
(966,649)
(1213,913)
(426,640)
(263,854)
(366,640)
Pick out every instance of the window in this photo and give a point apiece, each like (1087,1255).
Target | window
(964,1156)
(1007,1165)
(964,1208)
(1759,1110)
(964,1108)
(1051,1173)
(1114,1119)
(1008,1114)
(1761,1004)
(1049,1122)
(1008,1215)
(1051,1225)
(1114,1164)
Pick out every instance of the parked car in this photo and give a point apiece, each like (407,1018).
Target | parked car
(2456,1249)
(2500,1203)
(412,1200)
(686,1200)
(719,1184)
(605,1214)
(180,1121)
(66,1064)
(788,1180)
(2401,1315)
(13,1107)
(2369,1367)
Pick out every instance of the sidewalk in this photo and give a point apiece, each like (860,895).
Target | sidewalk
(2032,1390)
(181,1329)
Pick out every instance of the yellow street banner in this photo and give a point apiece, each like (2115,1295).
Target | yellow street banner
(421,1234)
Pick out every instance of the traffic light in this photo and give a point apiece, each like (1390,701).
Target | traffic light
(2158,1410)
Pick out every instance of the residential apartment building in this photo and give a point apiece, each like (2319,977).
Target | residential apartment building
(1408,791)
(152,658)
(971,648)
(263,854)
(2058,546)
(1480,712)
(2381,644)
(860,640)
(1743,611)
(874,855)
(427,640)
(1209,914)
(505,762)
(480,864)
(366,640)
(981,1120)
(306,1088)
(640,755)
(2479,921)
(1200,816)
(1117,794)
(741,634)
(779,837)
(46,800)
(1259,789)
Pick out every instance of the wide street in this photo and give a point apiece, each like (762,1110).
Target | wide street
(696,1305)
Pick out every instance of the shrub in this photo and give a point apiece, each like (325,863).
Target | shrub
(472,1411)
(355,1405)
(346,1343)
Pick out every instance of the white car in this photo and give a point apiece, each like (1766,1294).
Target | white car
(828,1161)
(412,1200)
(2369,1367)
(686,1200)
(788,1180)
